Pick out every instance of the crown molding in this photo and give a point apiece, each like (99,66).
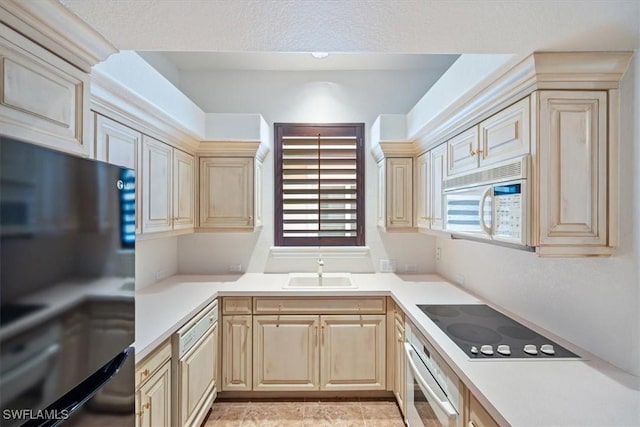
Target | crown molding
(538,71)
(231,148)
(54,27)
(114,100)
(393,148)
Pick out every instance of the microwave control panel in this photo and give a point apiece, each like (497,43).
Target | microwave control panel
(508,215)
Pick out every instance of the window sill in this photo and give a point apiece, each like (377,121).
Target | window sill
(313,252)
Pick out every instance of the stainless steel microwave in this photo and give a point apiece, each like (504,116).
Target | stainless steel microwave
(490,204)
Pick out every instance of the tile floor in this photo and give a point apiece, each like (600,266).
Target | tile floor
(306,413)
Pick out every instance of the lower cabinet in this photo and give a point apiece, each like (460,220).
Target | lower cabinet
(400,379)
(476,415)
(153,389)
(236,353)
(285,353)
(352,352)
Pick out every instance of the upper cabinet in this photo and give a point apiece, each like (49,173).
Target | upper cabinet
(42,98)
(561,110)
(399,191)
(503,136)
(167,187)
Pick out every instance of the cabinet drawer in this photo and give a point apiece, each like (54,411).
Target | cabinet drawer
(146,368)
(236,305)
(478,416)
(319,305)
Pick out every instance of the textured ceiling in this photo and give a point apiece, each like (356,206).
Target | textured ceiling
(406,26)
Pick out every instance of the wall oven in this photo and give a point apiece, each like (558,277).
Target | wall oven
(491,204)
(434,394)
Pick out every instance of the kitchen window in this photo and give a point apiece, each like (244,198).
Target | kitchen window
(319,184)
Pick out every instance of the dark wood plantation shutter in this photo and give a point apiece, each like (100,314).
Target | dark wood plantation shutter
(319,184)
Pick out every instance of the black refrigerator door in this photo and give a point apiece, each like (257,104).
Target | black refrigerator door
(68,410)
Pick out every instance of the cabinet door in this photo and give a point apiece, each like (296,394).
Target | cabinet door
(120,145)
(463,152)
(153,399)
(423,191)
(400,380)
(399,192)
(352,352)
(183,190)
(438,165)
(156,185)
(382,194)
(196,378)
(478,416)
(258,194)
(226,192)
(295,368)
(236,353)
(505,135)
(573,168)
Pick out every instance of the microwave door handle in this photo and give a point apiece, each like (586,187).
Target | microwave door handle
(445,405)
(483,198)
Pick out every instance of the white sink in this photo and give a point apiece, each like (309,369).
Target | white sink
(312,281)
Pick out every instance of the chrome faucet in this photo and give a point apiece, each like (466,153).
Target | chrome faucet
(320,268)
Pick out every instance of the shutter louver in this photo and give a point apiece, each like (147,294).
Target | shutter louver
(320,187)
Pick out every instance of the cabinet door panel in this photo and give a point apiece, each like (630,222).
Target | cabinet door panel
(438,165)
(155,399)
(399,192)
(462,152)
(226,192)
(423,191)
(352,352)
(573,161)
(236,353)
(382,194)
(505,135)
(157,185)
(183,190)
(400,380)
(295,368)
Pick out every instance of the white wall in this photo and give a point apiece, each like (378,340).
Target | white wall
(594,303)
(156,259)
(304,97)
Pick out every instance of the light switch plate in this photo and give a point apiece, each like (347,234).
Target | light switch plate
(235,268)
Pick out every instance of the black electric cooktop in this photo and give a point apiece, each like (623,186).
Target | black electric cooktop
(484,333)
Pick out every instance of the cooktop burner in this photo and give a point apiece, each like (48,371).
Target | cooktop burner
(12,312)
(484,333)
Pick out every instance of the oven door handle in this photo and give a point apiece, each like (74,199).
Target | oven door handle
(445,405)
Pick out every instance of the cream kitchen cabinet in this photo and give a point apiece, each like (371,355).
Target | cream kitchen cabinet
(153,388)
(400,380)
(285,352)
(423,191)
(227,193)
(167,187)
(575,185)
(352,352)
(503,136)
(236,353)
(395,179)
(43,98)
(437,170)
(475,414)
(120,145)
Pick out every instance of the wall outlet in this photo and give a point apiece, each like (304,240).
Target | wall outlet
(459,279)
(161,274)
(438,254)
(387,266)
(410,268)
(235,268)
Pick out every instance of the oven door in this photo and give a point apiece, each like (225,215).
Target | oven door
(427,404)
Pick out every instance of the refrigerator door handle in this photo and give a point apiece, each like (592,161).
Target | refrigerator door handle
(61,409)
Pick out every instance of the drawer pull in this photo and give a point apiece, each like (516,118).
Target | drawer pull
(144,373)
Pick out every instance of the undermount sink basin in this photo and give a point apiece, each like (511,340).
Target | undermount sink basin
(312,281)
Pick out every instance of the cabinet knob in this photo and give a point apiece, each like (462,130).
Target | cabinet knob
(145,373)
(471,424)
(472,152)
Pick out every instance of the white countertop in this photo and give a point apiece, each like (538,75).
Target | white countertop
(587,392)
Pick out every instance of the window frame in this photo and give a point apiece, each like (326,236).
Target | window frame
(313,129)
